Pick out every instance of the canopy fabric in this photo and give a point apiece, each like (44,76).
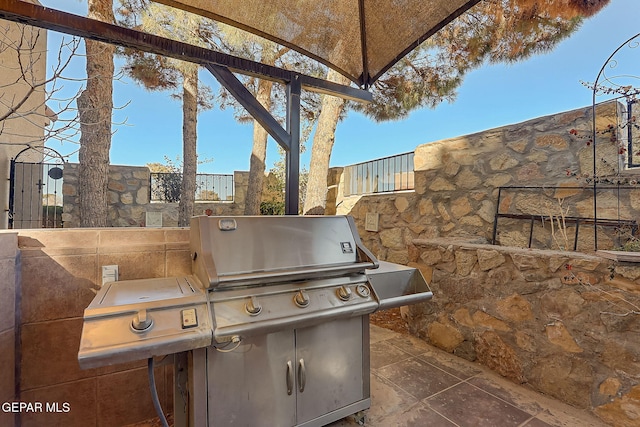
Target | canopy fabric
(360,39)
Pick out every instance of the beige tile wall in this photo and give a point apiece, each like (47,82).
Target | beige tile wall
(8,259)
(61,272)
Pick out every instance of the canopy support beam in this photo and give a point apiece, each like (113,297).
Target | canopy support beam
(292,171)
(251,104)
(364,78)
(288,139)
(221,65)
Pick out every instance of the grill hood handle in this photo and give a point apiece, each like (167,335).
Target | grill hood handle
(363,254)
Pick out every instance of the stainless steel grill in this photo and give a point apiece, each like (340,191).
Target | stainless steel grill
(272,327)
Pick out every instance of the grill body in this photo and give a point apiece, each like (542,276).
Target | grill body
(271,328)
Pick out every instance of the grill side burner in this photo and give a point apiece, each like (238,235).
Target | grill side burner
(271,329)
(108,333)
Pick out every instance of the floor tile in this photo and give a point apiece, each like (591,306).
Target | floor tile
(454,365)
(418,378)
(387,399)
(417,415)
(516,395)
(469,406)
(380,334)
(536,423)
(410,344)
(557,414)
(383,354)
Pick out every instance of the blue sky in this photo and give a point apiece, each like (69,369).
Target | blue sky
(490,97)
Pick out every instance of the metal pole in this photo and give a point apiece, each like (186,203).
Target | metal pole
(593,134)
(12,191)
(495,218)
(292,172)
(630,103)
(595,179)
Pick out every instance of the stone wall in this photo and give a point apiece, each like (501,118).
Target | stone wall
(457,181)
(129,198)
(563,323)
(60,274)
(8,285)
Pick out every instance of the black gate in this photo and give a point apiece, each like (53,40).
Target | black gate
(35,189)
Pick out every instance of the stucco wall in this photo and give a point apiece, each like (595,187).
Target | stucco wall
(27,127)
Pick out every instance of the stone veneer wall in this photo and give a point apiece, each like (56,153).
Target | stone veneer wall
(8,279)
(61,272)
(515,310)
(129,198)
(457,180)
(564,323)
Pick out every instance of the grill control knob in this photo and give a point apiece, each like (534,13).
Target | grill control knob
(301,299)
(253,306)
(344,293)
(363,291)
(141,321)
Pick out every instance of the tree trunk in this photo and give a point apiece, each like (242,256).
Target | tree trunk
(258,154)
(95,105)
(315,199)
(189,144)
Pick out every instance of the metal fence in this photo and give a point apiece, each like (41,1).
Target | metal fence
(165,187)
(563,217)
(214,187)
(35,195)
(388,174)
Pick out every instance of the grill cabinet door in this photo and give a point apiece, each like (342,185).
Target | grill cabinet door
(248,386)
(332,354)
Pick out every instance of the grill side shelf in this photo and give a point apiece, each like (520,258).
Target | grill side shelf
(396,285)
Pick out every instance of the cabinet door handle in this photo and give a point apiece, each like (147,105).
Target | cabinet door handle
(289,377)
(302,375)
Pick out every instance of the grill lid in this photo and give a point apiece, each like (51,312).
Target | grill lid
(242,251)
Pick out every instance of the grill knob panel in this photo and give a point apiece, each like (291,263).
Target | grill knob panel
(344,293)
(301,299)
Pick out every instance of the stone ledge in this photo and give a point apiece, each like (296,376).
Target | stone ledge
(478,243)
(620,255)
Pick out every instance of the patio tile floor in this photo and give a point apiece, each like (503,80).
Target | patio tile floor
(415,384)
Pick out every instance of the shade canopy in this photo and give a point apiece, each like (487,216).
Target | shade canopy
(360,39)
